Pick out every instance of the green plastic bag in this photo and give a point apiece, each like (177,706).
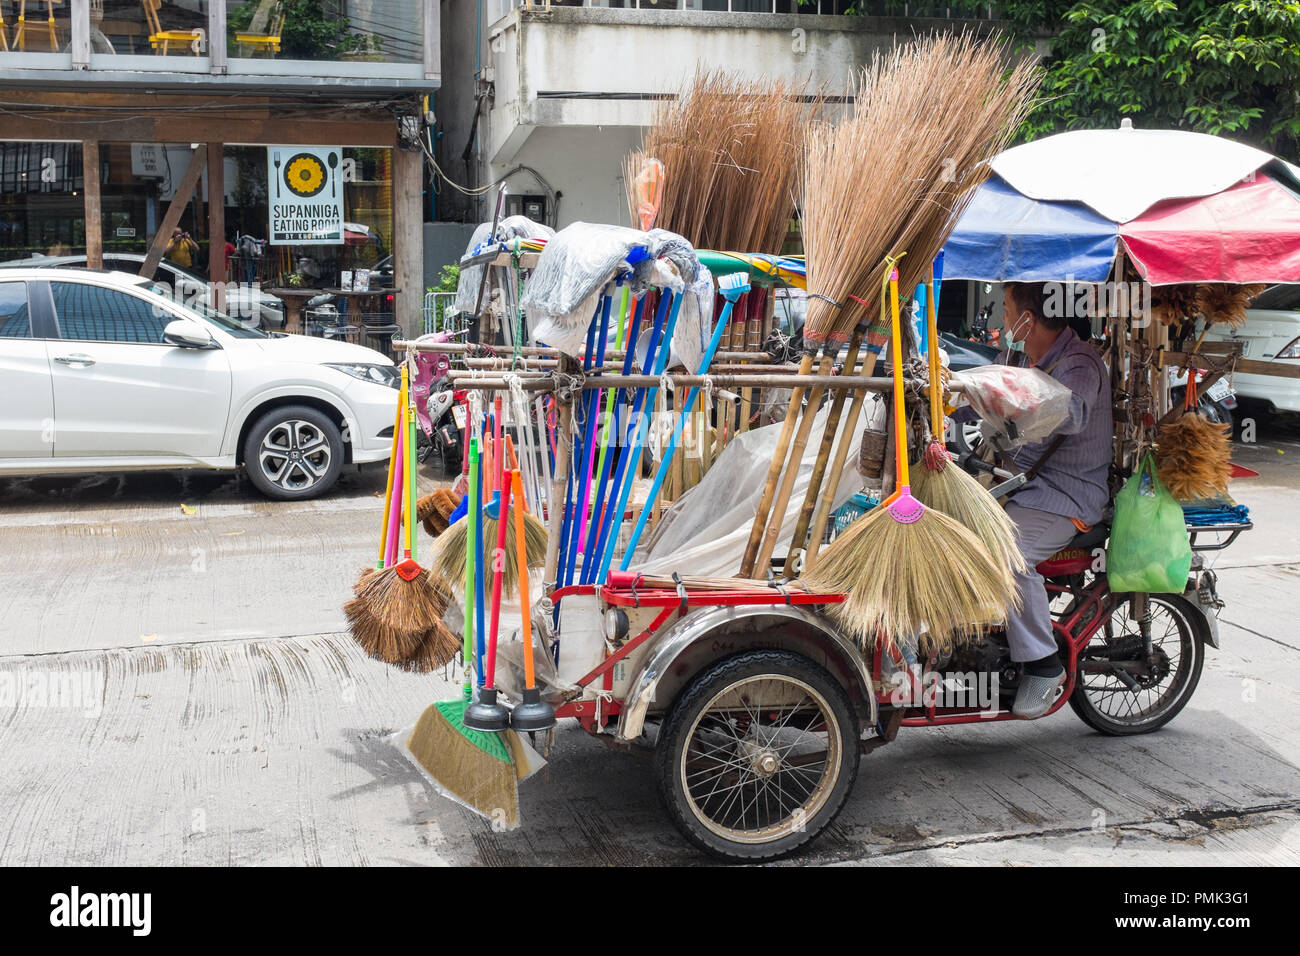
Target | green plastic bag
(1149,550)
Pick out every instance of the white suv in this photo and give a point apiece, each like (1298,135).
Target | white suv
(99,372)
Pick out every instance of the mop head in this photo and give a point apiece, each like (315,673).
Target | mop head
(475,769)
(959,496)
(930,574)
(1192,455)
(434,510)
(449,557)
(1219,302)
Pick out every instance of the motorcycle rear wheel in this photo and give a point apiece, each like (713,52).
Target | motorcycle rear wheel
(1106,704)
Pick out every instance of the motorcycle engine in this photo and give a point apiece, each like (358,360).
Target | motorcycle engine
(987,653)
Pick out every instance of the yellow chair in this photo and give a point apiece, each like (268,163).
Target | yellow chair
(263,30)
(20,29)
(161,40)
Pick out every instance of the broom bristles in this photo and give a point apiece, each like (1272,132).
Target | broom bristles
(471,767)
(401,606)
(1192,457)
(900,578)
(449,558)
(959,496)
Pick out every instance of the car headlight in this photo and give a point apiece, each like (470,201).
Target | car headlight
(378,374)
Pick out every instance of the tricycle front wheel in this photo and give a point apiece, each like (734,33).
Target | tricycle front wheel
(757,755)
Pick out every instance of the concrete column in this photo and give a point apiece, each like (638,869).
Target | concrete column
(217,226)
(408,239)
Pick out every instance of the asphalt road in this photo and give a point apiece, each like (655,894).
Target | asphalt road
(213,710)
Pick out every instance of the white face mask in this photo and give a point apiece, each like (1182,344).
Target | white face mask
(1014,344)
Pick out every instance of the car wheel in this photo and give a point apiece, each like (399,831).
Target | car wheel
(293,452)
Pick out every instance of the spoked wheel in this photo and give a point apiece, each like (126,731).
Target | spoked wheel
(1123,702)
(758,755)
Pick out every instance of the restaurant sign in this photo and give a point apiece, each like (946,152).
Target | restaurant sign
(305,195)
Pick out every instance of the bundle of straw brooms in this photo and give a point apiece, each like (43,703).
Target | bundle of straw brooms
(885,186)
(731,146)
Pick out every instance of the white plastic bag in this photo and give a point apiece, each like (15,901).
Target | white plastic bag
(1023,404)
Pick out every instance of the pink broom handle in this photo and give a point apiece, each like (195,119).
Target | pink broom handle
(395,502)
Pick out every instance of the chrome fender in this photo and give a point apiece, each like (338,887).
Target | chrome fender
(787,627)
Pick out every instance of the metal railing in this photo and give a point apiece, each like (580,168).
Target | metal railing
(940,10)
(440,314)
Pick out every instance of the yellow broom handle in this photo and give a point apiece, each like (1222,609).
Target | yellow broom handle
(392,470)
(900,417)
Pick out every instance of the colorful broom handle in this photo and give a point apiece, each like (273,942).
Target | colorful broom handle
(902,477)
(411,464)
(661,361)
(471,559)
(521,552)
(610,519)
(611,422)
(392,547)
(589,439)
(392,468)
(932,340)
(667,459)
(498,571)
(480,588)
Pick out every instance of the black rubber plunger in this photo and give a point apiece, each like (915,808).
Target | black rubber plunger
(531,715)
(486,714)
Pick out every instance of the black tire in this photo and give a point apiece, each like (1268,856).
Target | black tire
(293,453)
(1176,686)
(814,804)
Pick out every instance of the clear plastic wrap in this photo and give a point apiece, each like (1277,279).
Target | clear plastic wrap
(512,227)
(1027,398)
(572,271)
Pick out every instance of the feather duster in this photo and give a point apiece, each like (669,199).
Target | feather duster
(1173,304)
(1220,302)
(1192,455)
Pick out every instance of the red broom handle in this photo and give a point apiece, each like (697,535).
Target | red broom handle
(498,565)
(521,553)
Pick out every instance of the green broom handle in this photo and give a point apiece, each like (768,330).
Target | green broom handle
(471,555)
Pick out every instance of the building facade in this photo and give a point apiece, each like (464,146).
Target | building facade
(122,121)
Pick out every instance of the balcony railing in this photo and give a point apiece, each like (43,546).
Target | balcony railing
(943,11)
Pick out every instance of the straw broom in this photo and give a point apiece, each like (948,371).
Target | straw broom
(435,509)
(397,606)
(450,554)
(1192,452)
(943,487)
(904,567)
(867,193)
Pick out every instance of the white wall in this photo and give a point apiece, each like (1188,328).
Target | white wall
(585,164)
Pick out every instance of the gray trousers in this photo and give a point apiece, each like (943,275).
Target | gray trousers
(1040,535)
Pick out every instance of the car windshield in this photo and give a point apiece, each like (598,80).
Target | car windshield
(222,321)
(1280,298)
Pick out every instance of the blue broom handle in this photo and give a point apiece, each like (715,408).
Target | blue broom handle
(591,400)
(602,479)
(571,486)
(661,362)
(611,519)
(667,459)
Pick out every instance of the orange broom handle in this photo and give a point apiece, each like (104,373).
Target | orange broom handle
(900,416)
(513,465)
(521,556)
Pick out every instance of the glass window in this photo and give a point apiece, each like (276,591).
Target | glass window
(149,27)
(42,211)
(38,26)
(92,313)
(14,323)
(379,31)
